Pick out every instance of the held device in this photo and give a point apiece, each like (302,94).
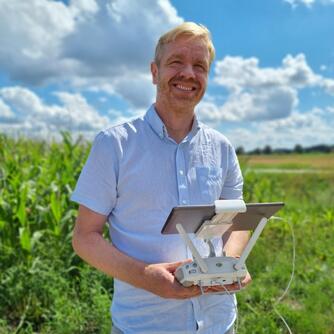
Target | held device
(208,221)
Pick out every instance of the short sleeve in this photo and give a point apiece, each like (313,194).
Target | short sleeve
(233,185)
(97,184)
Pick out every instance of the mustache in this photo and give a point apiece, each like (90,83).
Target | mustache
(182,80)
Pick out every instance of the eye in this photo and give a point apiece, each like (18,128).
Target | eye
(200,66)
(175,62)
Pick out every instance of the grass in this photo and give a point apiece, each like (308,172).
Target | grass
(45,288)
(308,306)
(311,161)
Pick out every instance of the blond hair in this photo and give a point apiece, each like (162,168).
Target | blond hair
(191,29)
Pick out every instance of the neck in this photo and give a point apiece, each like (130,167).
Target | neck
(177,122)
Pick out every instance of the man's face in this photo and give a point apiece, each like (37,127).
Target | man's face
(182,74)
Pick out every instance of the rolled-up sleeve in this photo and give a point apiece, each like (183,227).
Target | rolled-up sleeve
(97,184)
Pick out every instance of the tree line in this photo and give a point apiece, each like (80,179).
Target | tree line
(267,149)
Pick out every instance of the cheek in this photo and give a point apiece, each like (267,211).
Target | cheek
(167,77)
(203,81)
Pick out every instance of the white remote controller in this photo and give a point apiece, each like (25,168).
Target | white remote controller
(221,271)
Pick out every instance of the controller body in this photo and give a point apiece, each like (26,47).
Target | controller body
(221,271)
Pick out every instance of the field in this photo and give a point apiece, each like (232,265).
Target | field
(310,162)
(45,288)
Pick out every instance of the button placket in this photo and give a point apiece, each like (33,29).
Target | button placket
(182,182)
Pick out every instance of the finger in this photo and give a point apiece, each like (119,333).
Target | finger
(223,288)
(214,289)
(174,265)
(192,291)
(246,281)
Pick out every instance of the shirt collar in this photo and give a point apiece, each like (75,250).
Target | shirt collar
(155,122)
(153,119)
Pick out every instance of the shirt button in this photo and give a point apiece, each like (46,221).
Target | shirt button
(184,202)
(181,172)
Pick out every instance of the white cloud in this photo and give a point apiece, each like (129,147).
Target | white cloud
(308,3)
(237,73)
(295,3)
(6,115)
(328,85)
(257,93)
(119,117)
(31,116)
(138,89)
(261,105)
(23,100)
(88,42)
(310,128)
(31,33)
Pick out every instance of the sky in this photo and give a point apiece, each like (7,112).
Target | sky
(84,65)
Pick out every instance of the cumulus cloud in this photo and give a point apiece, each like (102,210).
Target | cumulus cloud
(84,43)
(309,128)
(295,3)
(31,35)
(6,114)
(142,90)
(257,93)
(28,114)
(261,105)
(236,73)
(267,99)
(308,3)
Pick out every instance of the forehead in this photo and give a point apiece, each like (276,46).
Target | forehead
(184,46)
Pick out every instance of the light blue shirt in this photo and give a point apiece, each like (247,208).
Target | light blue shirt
(135,174)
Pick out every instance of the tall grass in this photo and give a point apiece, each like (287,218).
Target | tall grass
(308,307)
(45,288)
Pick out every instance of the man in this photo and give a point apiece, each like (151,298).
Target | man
(136,173)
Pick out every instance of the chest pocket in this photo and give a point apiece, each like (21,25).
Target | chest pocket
(210,183)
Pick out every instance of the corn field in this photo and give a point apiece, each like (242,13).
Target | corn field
(46,288)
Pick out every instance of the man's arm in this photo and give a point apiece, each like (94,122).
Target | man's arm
(89,244)
(235,242)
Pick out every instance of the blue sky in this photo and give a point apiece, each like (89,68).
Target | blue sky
(83,65)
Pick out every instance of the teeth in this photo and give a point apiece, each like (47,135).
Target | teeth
(184,88)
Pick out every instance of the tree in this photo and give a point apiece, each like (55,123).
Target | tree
(267,149)
(240,150)
(298,149)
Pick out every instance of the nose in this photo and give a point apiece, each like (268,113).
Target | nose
(187,72)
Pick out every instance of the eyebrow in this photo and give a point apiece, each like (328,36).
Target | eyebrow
(178,56)
(200,62)
(174,56)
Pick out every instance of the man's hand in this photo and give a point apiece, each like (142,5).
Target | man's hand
(160,280)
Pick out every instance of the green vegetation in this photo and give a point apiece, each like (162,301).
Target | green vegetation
(313,162)
(308,307)
(45,288)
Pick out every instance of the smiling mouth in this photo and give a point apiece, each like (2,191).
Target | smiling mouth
(184,88)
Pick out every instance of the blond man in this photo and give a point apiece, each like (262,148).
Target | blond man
(136,173)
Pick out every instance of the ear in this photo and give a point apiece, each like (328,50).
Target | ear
(154,71)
